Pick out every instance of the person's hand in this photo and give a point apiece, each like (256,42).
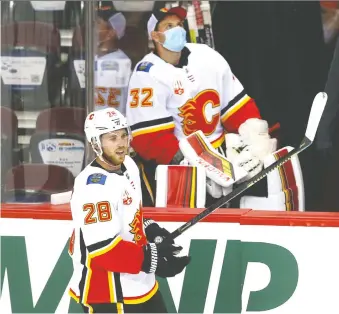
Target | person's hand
(154,233)
(249,148)
(162,259)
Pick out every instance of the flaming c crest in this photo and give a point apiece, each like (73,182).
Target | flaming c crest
(137,229)
(194,115)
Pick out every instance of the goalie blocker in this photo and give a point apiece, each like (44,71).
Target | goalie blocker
(185,185)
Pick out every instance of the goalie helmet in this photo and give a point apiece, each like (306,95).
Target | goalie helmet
(101,122)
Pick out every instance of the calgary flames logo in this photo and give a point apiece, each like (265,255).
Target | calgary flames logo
(178,88)
(193,113)
(127,199)
(137,229)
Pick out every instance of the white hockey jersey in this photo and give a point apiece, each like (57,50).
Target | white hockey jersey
(108,237)
(112,74)
(166,102)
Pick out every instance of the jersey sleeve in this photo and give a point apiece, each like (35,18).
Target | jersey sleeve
(151,123)
(95,211)
(236,105)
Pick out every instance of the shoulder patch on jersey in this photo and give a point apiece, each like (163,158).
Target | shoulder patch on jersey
(144,66)
(98,178)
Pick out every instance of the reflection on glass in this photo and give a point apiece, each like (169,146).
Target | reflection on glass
(281,54)
(42,138)
(112,66)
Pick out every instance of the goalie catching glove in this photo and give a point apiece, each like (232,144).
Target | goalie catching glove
(162,259)
(249,148)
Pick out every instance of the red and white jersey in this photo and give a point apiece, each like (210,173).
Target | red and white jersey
(106,245)
(112,74)
(166,102)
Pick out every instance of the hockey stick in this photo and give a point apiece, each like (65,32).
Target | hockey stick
(317,109)
(199,19)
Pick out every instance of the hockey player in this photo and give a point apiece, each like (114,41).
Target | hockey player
(112,65)
(181,88)
(113,247)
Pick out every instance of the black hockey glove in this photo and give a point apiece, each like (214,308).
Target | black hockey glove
(154,232)
(161,259)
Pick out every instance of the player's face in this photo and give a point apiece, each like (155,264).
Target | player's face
(104,30)
(167,23)
(115,146)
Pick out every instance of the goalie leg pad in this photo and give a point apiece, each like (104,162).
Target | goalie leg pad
(180,186)
(285,186)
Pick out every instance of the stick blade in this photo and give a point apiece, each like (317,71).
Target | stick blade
(317,110)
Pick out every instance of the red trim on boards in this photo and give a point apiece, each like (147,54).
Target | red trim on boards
(280,218)
(242,216)
(62,212)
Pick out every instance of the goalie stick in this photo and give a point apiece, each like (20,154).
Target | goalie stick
(317,109)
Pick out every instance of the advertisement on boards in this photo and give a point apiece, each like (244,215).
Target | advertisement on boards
(234,269)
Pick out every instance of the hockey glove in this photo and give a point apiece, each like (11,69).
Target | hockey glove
(249,148)
(254,134)
(161,259)
(154,232)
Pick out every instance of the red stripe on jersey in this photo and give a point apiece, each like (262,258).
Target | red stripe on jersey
(125,257)
(71,243)
(247,111)
(98,287)
(161,146)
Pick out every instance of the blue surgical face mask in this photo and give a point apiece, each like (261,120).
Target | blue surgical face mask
(175,39)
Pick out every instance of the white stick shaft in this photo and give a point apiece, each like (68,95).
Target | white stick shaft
(317,109)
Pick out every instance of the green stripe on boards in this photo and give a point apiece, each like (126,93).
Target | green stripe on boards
(75,307)
(57,284)
(167,295)
(230,285)
(196,279)
(197,276)
(14,261)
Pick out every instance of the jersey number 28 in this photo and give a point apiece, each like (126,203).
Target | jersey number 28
(99,212)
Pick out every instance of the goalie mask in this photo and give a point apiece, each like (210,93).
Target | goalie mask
(101,122)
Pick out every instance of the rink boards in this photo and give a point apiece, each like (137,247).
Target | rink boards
(243,261)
